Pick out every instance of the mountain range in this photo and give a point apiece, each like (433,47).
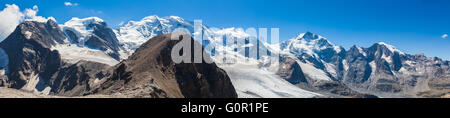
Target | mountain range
(86,57)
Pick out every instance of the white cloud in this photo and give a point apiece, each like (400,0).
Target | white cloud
(12,16)
(30,15)
(70,4)
(444,36)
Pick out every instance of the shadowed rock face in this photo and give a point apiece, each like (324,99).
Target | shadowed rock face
(292,72)
(394,74)
(36,66)
(28,48)
(104,39)
(151,65)
(75,79)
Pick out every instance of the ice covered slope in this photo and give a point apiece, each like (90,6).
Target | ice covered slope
(253,82)
(90,39)
(73,54)
(79,30)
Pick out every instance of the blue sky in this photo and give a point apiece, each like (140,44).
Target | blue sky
(413,26)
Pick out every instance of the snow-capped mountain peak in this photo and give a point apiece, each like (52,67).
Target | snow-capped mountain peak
(151,18)
(81,28)
(391,48)
(308,36)
(84,21)
(135,33)
(89,39)
(309,43)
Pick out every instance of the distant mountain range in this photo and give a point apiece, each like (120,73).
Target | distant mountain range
(87,57)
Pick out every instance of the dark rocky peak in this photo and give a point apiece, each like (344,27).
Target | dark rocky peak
(29,46)
(46,34)
(380,49)
(355,53)
(152,65)
(35,67)
(354,50)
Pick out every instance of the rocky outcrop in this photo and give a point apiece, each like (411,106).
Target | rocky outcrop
(104,39)
(292,72)
(151,65)
(384,70)
(75,79)
(29,46)
(37,68)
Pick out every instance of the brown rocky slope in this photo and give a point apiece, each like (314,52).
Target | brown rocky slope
(151,66)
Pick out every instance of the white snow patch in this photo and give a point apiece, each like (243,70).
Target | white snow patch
(96,81)
(35,82)
(373,65)
(331,68)
(345,64)
(387,58)
(361,51)
(28,34)
(391,48)
(410,62)
(337,49)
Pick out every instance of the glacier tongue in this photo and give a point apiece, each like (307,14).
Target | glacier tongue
(81,27)
(72,54)
(253,82)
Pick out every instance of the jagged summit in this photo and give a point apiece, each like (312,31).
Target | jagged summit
(308,36)
(390,47)
(309,43)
